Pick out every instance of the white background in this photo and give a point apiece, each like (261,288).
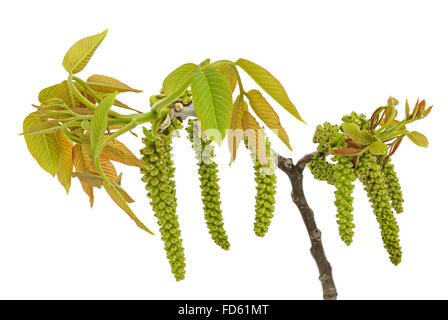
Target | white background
(332,57)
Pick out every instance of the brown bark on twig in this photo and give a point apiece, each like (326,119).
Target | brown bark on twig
(295,174)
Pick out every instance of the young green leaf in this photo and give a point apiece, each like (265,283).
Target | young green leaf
(350,151)
(117,151)
(236,131)
(44,148)
(352,130)
(407,110)
(212,100)
(392,101)
(49,92)
(80,53)
(107,84)
(418,138)
(61,91)
(90,179)
(118,198)
(42,127)
(81,163)
(269,84)
(267,114)
(107,167)
(65,166)
(98,124)
(178,77)
(255,137)
(205,62)
(377,148)
(228,71)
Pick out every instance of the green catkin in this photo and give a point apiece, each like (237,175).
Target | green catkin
(393,186)
(344,177)
(266,180)
(208,172)
(372,177)
(158,176)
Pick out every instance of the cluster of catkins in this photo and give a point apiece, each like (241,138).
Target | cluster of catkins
(159,178)
(208,172)
(379,180)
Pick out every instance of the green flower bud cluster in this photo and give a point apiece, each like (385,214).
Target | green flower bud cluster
(374,181)
(344,177)
(328,137)
(321,169)
(186,98)
(265,198)
(208,172)
(394,188)
(359,119)
(158,176)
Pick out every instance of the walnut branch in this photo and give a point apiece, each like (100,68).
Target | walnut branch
(295,174)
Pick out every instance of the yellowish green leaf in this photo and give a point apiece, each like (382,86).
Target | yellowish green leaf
(80,53)
(98,124)
(61,91)
(228,71)
(352,130)
(178,77)
(267,114)
(269,84)
(44,148)
(212,101)
(90,179)
(117,151)
(118,198)
(377,148)
(236,131)
(82,163)
(255,137)
(107,167)
(107,84)
(418,138)
(65,166)
(42,127)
